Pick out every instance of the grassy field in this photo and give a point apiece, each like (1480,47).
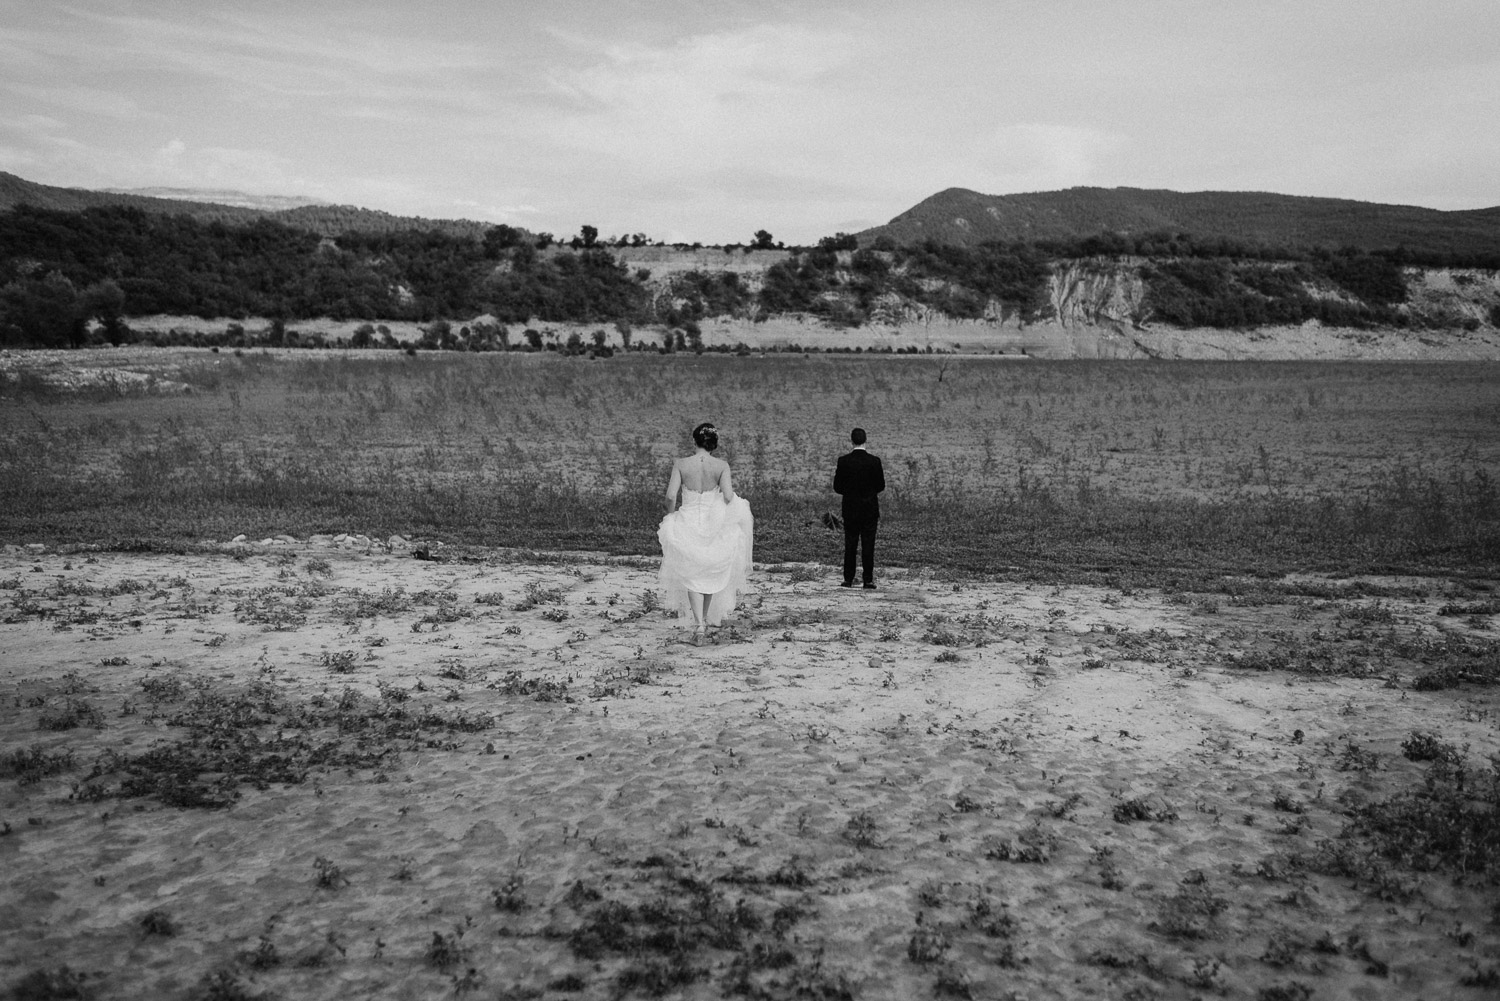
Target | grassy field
(1076,469)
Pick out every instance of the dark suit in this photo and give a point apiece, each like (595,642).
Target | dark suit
(860,479)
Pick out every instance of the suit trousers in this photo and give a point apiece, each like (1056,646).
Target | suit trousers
(859,535)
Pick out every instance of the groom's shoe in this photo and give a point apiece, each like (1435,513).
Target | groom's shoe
(847,583)
(869,587)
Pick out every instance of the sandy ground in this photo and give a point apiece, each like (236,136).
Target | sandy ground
(987,790)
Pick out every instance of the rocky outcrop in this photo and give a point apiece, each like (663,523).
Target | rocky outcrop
(1087,293)
(1465,298)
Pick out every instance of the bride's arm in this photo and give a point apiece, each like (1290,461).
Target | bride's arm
(726,485)
(674,486)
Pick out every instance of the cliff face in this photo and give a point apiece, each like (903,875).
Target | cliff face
(1085,294)
(1453,297)
(1113,293)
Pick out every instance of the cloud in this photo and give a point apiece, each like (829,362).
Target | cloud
(177,164)
(31,123)
(469,209)
(712,94)
(73,97)
(1040,155)
(299,53)
(13,158)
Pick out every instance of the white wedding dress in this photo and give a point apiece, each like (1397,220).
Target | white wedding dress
(706,547)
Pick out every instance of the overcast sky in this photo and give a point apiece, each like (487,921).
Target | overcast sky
(710,119)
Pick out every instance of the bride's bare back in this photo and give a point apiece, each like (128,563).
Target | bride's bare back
(699,472)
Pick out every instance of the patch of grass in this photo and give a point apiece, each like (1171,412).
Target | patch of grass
(354,604)
(30,765)
(265,955)
(1190,913)
(1482,976)
(225,985)
(1319,659)
(72,714)
(1132,810)
(508,896)
(987,918)
(341,661)
(454,669)
(1425,746)
(656,977)
(1032,845)
(1110,876)
(1282,801)
(540,689)
(446,950)
(536,595)
(1451,823)
(327,875)
(1354,758)
(164,688)
(258,736)
(1353,860)
(159,922)
(860,830)
(664,938)
(274,609)
(927,945)
(445,612)
(1282,948)
(392,693)
(57,984)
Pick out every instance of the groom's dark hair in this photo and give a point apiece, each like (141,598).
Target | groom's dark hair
(857,436)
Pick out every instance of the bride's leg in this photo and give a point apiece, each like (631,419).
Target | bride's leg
(696,603)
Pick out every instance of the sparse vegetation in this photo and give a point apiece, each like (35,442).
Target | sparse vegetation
(606,834)
(1223,495)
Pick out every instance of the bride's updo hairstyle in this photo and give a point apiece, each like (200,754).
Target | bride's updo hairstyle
(706,436)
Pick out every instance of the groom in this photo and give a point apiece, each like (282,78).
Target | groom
(860,479)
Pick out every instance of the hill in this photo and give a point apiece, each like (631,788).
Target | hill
(967,218)
(236,209)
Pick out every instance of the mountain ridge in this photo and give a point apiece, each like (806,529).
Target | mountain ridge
(965,217)
(318,217)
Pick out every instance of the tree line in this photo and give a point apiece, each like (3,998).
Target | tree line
(66,276)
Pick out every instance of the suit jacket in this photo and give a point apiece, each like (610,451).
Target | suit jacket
(859,478)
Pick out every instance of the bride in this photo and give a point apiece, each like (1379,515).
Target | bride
(706,542)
